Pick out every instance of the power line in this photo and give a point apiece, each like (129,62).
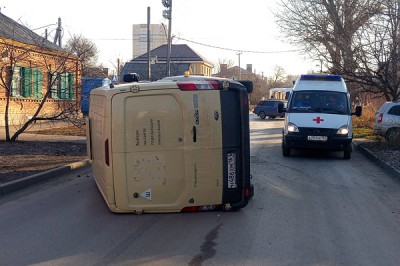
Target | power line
(238,50)
(211,46)
(45,26)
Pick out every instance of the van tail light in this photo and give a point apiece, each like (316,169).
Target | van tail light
(201,208)
(194,86)
(106,153)
(380,118)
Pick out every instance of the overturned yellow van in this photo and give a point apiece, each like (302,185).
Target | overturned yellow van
(180,144)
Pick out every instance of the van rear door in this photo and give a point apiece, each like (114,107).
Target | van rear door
(166,149)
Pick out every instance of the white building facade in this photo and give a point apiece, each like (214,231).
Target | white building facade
(158,37)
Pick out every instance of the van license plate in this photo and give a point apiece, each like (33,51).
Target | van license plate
(317,138)
(232,170)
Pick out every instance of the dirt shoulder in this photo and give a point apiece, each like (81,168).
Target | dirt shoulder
(27,157)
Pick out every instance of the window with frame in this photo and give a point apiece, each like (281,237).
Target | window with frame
(27,82)
(62,86)
(395,110)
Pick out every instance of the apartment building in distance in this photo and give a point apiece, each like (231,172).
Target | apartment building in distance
(158,37)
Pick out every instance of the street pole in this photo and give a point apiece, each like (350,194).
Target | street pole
(169,39)
(148,44)
(240,71)
(320,62)
(57,37)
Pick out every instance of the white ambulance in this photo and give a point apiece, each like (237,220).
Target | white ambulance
(319,115)
(179,144)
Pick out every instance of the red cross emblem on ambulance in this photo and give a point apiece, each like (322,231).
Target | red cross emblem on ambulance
(318,120)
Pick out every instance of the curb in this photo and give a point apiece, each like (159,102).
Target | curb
(19,184)
(385,166)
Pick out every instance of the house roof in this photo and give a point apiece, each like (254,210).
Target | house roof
(10,29)
(179,52)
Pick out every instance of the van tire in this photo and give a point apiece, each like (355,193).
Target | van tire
(263,115)
(347,154)
(285,150)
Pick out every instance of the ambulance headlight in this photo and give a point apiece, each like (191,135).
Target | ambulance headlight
(343,130)
(291,128)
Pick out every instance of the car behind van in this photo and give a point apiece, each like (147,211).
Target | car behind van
(269,108)
(319,115)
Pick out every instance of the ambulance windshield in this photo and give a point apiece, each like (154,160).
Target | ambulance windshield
(319,102)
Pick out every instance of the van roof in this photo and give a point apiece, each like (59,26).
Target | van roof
(320,82)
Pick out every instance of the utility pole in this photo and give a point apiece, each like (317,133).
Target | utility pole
(57,37)
(168,15)
(148,43)
(118,68)
(240,71)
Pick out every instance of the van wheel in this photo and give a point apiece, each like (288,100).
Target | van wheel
(262,115)
(285,150)
(347,154)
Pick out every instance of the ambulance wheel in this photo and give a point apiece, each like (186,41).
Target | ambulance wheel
(285,150)
(263,115)
(251,191)
(347,154)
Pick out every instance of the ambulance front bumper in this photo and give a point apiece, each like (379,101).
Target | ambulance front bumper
(327,142)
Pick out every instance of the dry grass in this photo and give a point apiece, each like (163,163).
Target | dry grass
(367,119)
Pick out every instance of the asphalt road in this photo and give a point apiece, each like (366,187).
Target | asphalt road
(312,208)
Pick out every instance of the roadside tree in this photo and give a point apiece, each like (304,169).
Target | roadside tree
(326,29)
(86,50)
(378,54)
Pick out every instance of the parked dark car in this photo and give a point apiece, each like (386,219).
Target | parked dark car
(269,108)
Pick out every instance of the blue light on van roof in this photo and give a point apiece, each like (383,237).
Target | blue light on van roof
(321,77)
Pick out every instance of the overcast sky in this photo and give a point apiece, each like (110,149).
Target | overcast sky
(233,25)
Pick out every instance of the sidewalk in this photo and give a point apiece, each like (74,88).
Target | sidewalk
(46,175)
(357,144)
(27,136)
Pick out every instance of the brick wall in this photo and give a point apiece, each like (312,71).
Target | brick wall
(21,109)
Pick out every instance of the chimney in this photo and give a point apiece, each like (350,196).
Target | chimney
(224,68)
(249,68)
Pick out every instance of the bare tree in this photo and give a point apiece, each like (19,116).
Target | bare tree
(260,89)
(34,76)
(377,54)
(87,52)
(325,29)
(224,61)
(278,77)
